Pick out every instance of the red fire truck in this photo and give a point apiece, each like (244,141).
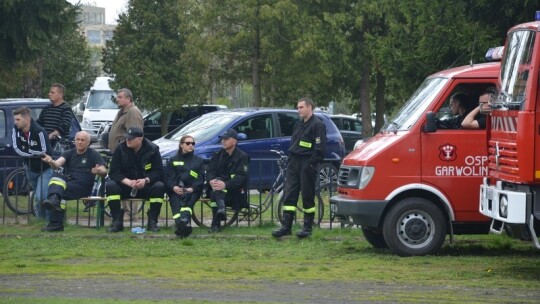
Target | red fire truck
(414,182)
(510,195)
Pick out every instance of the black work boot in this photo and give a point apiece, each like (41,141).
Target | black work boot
(308,226)
(183,224)
(56,223)
(117,220)
(53,202)
(221,209)
(153,215)
(288,218)
(216,223)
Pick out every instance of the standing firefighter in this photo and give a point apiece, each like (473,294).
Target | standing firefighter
(136,172)
(307,149)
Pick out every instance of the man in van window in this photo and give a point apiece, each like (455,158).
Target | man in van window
(475,119)
(306,151)
(56,117)
(30,140)
(459,107)
(129,116)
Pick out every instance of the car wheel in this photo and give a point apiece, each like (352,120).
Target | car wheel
(328,174)
(374,238)
(414,226)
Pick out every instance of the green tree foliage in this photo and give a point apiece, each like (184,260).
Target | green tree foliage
(26,26)
(147,55)
(61,57)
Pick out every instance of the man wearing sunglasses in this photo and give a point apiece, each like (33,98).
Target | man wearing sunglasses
(227,176)
(184,180)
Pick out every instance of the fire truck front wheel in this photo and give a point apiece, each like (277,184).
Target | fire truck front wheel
(376,239)
(414,226)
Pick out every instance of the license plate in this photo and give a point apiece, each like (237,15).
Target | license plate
(333,208)
(489,193)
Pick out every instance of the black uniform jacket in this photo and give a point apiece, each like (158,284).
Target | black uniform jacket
(146,162)
(188,168)
(233,169)
(309,139)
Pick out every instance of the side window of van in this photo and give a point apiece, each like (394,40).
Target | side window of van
(3,124)
(471,92)
(287,122)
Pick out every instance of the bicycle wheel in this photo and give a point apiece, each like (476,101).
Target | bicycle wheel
(18,193)
(202,214)
(299,216)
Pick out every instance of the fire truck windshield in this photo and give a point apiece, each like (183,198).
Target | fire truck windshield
(515,68)
(413,109)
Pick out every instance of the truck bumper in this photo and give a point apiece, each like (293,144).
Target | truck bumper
(365,213)
(504,205)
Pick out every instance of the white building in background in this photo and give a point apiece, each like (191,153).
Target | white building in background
(93,24)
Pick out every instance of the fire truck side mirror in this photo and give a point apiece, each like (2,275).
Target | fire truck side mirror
(431,122)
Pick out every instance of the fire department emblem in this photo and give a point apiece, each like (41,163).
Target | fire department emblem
(447,152)
(317,140)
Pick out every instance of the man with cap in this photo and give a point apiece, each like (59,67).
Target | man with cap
(227,175)
(136,172)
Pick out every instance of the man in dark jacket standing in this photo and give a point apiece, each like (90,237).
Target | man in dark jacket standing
(227,176)
(30,140)
(137,172)
(307,150)
(184,176)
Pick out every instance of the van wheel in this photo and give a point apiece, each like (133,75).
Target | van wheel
(328,175)
(414,226)
(374,238)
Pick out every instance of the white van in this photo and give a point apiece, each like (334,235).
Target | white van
(100,107)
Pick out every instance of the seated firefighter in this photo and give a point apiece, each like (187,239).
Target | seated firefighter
(227,177)
(80,164)
(184,176)
(136,172)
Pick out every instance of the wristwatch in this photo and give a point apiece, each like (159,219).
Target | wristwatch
(147,180)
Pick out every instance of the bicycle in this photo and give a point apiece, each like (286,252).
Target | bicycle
(18,193)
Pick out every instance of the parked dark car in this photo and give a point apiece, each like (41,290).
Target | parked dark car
(7,153)
(265,129)
(152,121)
(350,129)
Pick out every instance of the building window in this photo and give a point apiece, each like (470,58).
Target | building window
(94,37)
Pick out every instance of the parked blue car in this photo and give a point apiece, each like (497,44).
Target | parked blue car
(264,129)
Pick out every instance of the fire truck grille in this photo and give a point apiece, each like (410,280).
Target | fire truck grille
(502,149)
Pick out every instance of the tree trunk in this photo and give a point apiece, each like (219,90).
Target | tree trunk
(380,106)
(255,70)
(365,108)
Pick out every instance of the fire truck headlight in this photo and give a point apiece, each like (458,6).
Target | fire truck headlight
(365,176)
(503,206)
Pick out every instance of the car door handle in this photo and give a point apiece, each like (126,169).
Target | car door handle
(275,146)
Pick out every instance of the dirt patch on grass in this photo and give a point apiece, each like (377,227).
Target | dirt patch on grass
(132,288)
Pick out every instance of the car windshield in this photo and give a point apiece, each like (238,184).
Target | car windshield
(204,127)
(101,100)
(515,67)
(417,104)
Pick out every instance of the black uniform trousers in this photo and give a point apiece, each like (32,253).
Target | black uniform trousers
(180,203)
(300,177)
(66,189)
(117,191)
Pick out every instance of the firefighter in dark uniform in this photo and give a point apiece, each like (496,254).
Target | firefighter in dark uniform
(136,172)
(80,164)
(227,178)
(184,177)
(306,151)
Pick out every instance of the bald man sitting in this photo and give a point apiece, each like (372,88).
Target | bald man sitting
(80,164)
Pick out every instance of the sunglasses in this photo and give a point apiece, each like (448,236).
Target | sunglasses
(189,143)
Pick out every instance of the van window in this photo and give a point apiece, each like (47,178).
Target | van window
(35,112)
(287,122)
(3,125)
(472,91)
(101,100)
